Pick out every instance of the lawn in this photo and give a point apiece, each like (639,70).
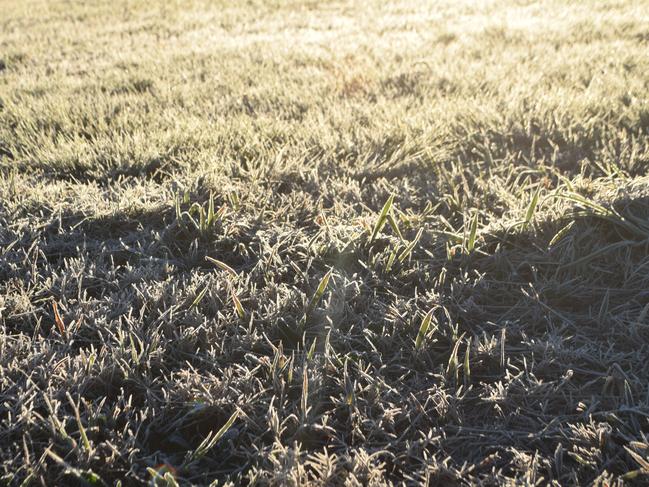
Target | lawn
(324,242)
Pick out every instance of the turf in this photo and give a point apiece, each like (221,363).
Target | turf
(324,243)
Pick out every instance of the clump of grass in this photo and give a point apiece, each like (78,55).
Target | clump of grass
(199,217)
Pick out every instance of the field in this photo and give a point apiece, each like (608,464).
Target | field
(324,243)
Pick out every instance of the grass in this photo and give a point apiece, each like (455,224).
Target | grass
(324,243)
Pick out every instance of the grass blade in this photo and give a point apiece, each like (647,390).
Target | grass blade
(395,226)
(423,329)
(311,353)
(82,430)
(383,216)
(561,233)
(208,443)
(452,370)
(199,297)
(221,265)
(531,209)
(322,287)
(305,395)
(408,250)
(391,259)
(58,320)
(467,363)
(210,210)
(237,304)
(472,234)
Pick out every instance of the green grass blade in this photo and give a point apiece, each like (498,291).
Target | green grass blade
(82,430)
(531,209)
(177,208)
(452,370)
(210,211)
(383,216)
(322,287)
(237,305)
(199,297)
(221,265)
(224,429)
(470,246)
(208,443)
(391,259)
(304,402)
(311,352)
(408,250)
(395,226)
(467,363)
(561,233)
(423,329)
